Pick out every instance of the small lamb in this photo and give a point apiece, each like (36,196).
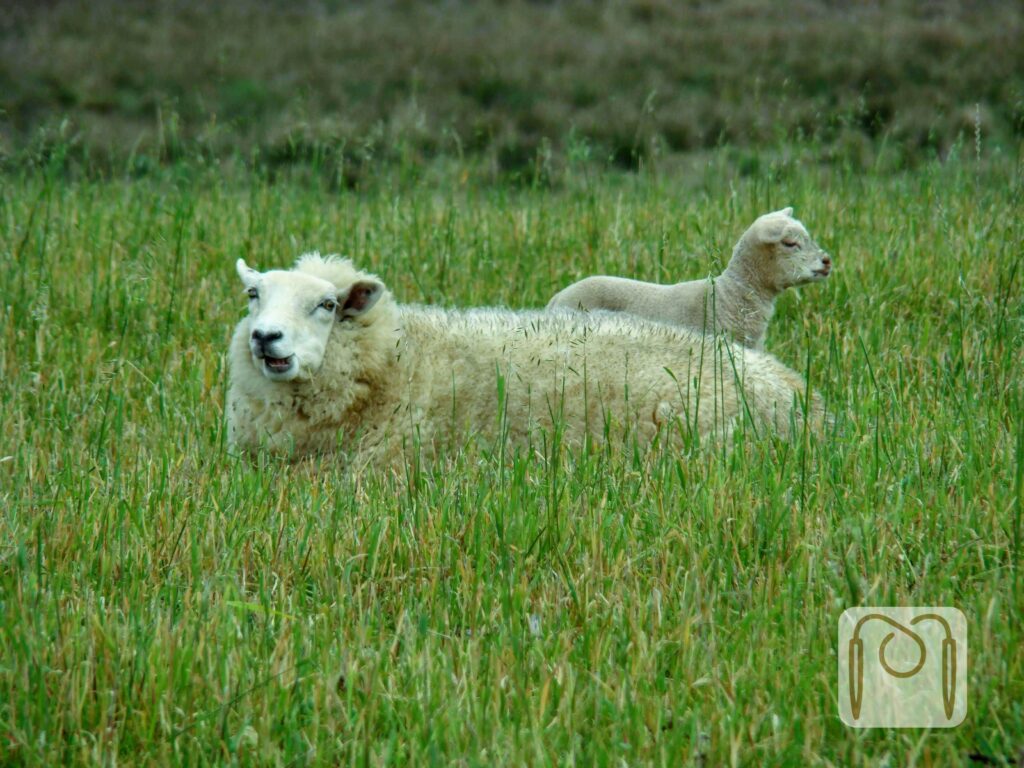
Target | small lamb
(327,361)
(776,253)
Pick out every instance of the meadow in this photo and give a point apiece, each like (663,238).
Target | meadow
(518,81)
(163,601)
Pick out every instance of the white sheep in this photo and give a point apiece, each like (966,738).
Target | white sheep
(774,254)
(326,360)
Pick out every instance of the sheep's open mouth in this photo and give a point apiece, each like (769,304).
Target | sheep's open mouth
(277,364)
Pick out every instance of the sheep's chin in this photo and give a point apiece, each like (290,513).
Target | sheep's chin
(278,368)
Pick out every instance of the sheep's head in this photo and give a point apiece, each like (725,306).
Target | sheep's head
(780,251)
(292,313)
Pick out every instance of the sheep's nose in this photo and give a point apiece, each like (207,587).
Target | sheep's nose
(826,261)
(265,337)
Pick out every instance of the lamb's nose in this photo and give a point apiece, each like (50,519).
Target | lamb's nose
(265,337)
(826,261)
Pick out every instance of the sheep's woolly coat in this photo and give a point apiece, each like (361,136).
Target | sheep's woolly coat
(412,375)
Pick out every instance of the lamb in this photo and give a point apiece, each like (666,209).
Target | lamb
(327,361)
(774,254)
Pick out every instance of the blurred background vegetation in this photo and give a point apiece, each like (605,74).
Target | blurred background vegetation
(522,86)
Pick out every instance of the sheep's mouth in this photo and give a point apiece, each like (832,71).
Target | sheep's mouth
(277,364)
(823,272)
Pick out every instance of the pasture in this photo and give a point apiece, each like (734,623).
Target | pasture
(164,601)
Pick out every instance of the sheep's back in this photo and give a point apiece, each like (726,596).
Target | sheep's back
(479,368)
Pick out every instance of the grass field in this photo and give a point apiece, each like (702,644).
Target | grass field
(517,81)
(165,602)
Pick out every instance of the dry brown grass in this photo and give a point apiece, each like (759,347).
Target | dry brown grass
(631,80)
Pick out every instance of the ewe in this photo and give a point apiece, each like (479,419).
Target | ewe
(776,253)
(326,360)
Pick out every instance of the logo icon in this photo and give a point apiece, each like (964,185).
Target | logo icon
(902,667)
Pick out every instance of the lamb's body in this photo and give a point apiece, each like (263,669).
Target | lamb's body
(774,254)
(725,304)
(417,375)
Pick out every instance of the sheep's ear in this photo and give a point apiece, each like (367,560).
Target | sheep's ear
(787,211)
(360,298)
(246,273)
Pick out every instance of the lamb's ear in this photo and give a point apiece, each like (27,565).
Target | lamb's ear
(768,229)
(787,211)
(246,273)
(360,298)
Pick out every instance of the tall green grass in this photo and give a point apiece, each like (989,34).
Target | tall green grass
(164,601)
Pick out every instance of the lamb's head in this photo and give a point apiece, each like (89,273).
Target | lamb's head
(292,313)
(779,253)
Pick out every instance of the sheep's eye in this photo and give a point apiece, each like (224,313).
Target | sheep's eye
(253,293)
(329,304)
(790,243)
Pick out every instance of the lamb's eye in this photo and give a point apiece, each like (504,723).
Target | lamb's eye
(329,304)
(791,243)
(253,293)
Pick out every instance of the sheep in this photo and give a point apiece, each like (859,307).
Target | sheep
(327,361)
(774,254)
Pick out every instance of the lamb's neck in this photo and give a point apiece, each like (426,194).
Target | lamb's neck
(750,304)
(740,271)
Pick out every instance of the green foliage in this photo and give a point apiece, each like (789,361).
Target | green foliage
(509,81)
(165,602)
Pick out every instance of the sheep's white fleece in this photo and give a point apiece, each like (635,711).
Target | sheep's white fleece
(418,375)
